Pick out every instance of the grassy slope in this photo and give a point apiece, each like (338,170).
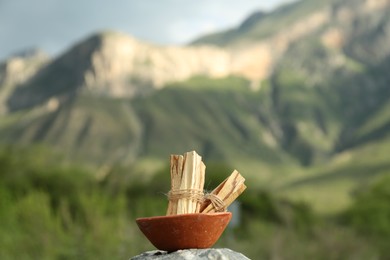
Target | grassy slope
(85,128)
(330,187)
(267,25)
(221,119)
(217,118)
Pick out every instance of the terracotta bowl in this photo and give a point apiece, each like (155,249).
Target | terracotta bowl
(197,230)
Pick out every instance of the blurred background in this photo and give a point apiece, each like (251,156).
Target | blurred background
(94,98)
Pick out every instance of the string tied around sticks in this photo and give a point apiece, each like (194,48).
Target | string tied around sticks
(198,196)
(190,194)
(216,201)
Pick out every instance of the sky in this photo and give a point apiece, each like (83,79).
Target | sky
(54,25)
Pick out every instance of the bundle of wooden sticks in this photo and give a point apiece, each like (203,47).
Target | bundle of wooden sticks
(187,181)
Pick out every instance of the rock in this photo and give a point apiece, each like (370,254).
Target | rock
(189,254)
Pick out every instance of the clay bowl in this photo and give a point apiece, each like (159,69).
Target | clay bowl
(196,230)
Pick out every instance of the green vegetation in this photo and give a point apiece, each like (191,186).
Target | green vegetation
(50,210)
(327,186)
(370,213)
(282,137)
(266,25)
(200,82)
(53,210)
(217,118)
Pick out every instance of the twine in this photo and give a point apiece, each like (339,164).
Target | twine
(190,194)
(197,196)
(216,201)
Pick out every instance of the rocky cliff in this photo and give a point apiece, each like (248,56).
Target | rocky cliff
(301,83)
(117,65)
(18,69)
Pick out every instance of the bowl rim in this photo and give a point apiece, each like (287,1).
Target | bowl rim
(214,214)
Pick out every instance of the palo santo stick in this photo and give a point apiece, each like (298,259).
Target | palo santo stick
(190,178)
(197,183)
(191,173)
(187,181)
(222,196)
(176,175)
(182,203)
(186,191)
(200,186)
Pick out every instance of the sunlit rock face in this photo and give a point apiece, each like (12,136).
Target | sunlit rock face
(114,64)
(122,65)
(17,70)
(20,68)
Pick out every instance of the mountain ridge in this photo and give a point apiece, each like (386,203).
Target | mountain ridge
(293,101)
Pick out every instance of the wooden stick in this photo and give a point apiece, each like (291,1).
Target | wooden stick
(227,192)
(176,175)
(182,203)
(187,181)
(202,173)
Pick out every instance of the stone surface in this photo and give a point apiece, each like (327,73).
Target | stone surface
(189,254)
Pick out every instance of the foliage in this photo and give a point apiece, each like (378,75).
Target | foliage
(369,214)
(52,210)
(262,205)
(201,82)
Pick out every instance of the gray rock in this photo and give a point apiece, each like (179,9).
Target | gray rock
(190,254)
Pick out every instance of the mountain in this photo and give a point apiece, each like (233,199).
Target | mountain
(18,69)
(116,65)
(290,19)
(297,98)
